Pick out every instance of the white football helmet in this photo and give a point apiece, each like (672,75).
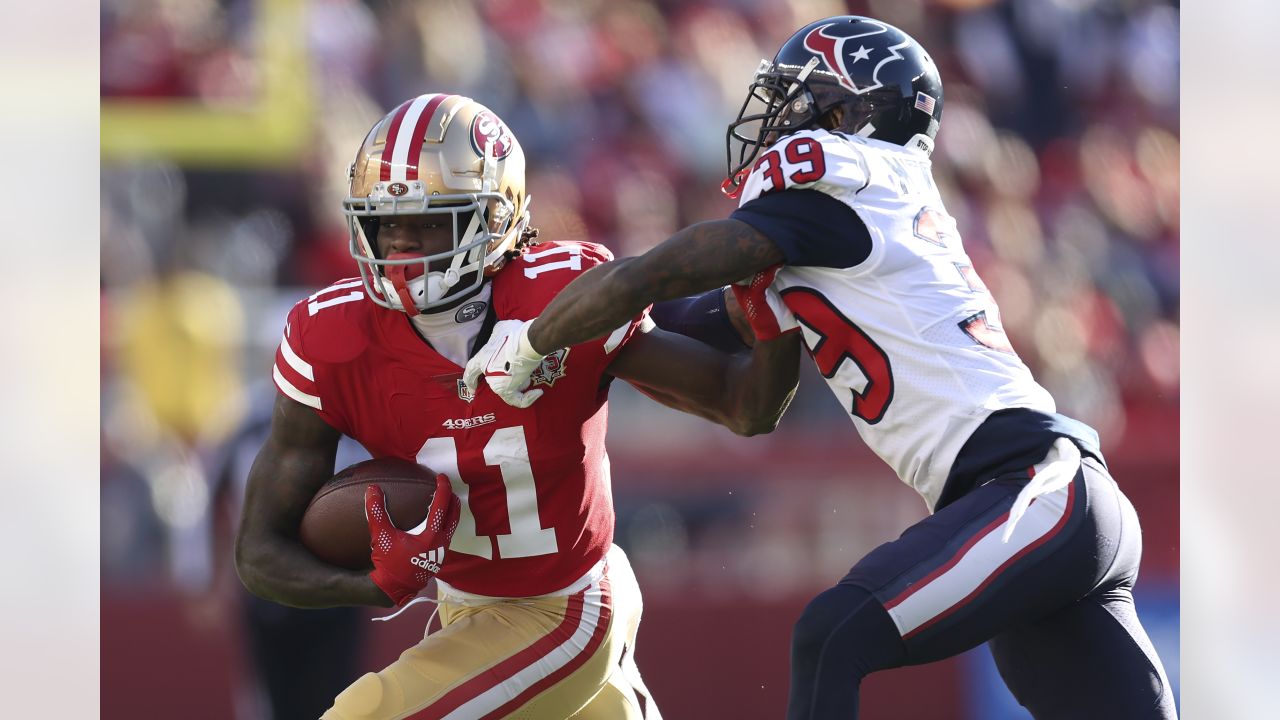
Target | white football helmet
(436,154)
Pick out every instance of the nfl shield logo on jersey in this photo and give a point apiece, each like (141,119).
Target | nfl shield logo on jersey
(464,393)
(551,369)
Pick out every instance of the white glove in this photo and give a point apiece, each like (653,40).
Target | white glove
(506,362)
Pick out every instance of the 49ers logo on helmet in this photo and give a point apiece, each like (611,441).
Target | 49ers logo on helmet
(487,129)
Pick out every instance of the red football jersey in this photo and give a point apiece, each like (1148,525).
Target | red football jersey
(537,510)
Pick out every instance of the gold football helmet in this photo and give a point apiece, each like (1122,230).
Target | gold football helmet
(436,154)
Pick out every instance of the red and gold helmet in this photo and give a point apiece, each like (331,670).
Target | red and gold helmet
(437,154)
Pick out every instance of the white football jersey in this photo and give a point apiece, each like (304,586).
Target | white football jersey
(909,340)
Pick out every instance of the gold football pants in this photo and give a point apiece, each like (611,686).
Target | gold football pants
(552,657)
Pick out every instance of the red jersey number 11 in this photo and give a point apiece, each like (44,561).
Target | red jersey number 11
(507,450)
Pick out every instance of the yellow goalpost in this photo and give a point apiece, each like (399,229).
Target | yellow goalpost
(269,131)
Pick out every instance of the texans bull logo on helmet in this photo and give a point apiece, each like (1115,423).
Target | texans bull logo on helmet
(837,50)
(884,83)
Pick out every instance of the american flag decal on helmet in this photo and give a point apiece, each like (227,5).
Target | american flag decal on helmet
(924,102)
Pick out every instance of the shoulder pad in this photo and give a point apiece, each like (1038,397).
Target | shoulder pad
(525,286)
(817,159)
(331,325)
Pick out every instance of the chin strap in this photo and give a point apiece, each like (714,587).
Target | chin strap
(399,275)
(732,187)
(436,283)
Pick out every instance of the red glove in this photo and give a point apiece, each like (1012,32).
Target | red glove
(751,296)
(404,561)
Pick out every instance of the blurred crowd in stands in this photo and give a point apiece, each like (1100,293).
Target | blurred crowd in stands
(1058,156)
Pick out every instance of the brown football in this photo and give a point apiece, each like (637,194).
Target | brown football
(334,528)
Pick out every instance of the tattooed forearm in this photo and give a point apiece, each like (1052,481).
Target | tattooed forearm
(694,260)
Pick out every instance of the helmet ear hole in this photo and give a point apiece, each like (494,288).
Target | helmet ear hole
(832,119)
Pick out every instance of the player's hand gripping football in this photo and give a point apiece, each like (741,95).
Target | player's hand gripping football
(404,561)
(754,296)
(506,362)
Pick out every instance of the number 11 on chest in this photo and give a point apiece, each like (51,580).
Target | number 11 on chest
(509,452)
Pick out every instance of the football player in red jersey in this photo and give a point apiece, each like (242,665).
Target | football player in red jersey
(539,611)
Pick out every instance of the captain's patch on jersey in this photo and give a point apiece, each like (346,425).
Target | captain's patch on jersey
(551,369)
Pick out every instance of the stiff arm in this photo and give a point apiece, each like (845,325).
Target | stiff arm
(696,259)
(747,392)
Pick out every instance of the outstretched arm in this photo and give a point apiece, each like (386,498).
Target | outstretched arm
(694,260)
(747,392)
(296,460)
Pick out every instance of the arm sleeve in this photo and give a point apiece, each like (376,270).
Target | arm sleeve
(703,318)
(810,227)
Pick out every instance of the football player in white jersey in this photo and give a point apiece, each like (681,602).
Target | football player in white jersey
(1031,546)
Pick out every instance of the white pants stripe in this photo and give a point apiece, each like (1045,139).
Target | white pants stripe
(978,562)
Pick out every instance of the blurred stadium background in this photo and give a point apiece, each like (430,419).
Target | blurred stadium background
(227,126)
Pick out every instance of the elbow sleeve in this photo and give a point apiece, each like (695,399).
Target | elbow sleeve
(703,318)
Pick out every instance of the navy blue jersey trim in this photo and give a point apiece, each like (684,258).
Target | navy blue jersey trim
(1010,440)
(810,227)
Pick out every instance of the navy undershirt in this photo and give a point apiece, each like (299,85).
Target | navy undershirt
(1012,439)
(810,227)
